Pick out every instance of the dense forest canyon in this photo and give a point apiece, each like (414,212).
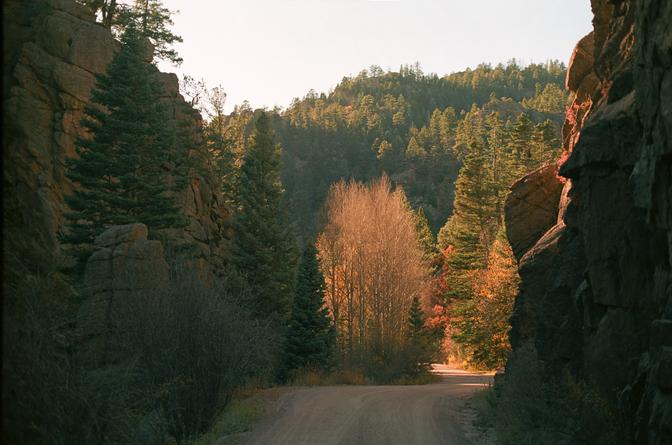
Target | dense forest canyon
(161,256)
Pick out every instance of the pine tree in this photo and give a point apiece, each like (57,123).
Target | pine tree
(467,235)
(470,130)
(545,144)
(263,248)
(149,17)
(502,165)
(440,127)
(483,321)
(521,138)
(153,20)
(425,236)
(383,149)
(311,336)
(414,150)
(220,141)
(106,8)
(120,171)
(552,99)
(420,342)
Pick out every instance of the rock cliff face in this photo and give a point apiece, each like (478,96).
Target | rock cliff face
(124,267)
(596,291)
(53,50)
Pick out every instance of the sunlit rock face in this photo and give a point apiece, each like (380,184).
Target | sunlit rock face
(532,208)
(596,292)
(53,50)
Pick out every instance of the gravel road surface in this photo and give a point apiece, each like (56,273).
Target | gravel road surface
(431,414)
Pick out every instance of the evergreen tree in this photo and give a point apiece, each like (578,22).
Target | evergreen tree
(545,145)
(421,344)
(153,20)
(467,235)
(106,8)
(470,130)
(552,99)
(414,150)
(121,170)
(440,129)
(521,138)
(263,248)
(219,137)
(483,321)
(311,337)
(149,17)
(425,236)
(501,162)
(384,149)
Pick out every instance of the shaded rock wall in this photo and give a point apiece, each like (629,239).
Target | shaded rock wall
(53,50)
(596,291)
(124,267)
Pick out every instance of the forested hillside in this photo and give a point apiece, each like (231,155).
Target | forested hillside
(414,126)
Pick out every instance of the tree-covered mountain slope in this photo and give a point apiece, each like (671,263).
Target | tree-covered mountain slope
(414,126)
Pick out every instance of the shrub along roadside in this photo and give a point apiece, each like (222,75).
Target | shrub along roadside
(196,346)
(527,407)
(178,359)
(248,405)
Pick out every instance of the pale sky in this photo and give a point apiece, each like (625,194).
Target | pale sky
(270,51)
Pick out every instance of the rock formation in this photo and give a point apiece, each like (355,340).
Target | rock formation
(124,266)
(532,208)
(596,291)
(53,50)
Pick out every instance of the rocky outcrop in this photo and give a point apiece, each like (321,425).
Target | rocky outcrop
(532,208)
(125,261)
(596,291)
(53,51)
(124,267)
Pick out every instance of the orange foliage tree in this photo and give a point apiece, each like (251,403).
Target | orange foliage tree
(373,266)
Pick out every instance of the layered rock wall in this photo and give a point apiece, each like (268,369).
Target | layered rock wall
(596,291)
(53,50)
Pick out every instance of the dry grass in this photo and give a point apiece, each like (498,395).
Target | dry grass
(247,407)
(310,377)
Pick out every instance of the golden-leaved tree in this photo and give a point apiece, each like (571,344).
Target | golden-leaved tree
(373,266)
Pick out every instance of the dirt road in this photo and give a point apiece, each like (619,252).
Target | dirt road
(373,415)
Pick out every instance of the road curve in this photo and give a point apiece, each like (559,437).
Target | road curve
(372,415)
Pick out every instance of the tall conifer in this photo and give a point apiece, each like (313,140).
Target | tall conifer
(421,343)
(311,337)
(521,137)
(263,248)
(470,230)
(122,171)
(425,236)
